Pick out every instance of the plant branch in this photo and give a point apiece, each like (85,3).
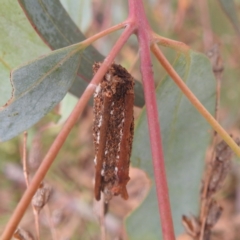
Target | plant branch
(217,66)
(105,32)
(197,104)
(166,42)
(62,136)
(26,176)
(24,158)
(144,37)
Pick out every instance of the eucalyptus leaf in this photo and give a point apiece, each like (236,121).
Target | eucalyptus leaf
(80,12)
(19,43)
(57,30)
(186,136)
(66,107)
(231,11)
(38,87)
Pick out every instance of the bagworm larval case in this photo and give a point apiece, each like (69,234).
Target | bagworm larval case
(113,131)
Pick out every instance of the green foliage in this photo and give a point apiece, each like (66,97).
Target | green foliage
(58,30)
(38,87)
(185,136)
(230,10)
(19,43)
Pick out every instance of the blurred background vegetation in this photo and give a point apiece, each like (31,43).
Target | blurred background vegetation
(71,205)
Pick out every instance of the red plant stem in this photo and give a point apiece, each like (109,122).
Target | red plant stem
(137,14)
(62,136)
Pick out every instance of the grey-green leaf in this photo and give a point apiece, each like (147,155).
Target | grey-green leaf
(231,11)
(185,136)
(38,87)
(19,43)
(56,28)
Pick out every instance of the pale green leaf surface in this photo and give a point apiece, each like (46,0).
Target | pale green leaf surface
(38,87)
(66,107)
(185,135)
(80,12)
(57,29)
(231,11)
(18,43)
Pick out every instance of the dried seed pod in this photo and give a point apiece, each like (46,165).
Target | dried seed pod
(214,213)
(22,234)
(220,166)
(216,59)
(41,197)
(35,153)
(214,177)
(113,131)
(191,225)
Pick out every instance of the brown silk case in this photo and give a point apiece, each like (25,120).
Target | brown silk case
(113,131)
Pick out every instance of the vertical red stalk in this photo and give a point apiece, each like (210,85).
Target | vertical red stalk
(137,15)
